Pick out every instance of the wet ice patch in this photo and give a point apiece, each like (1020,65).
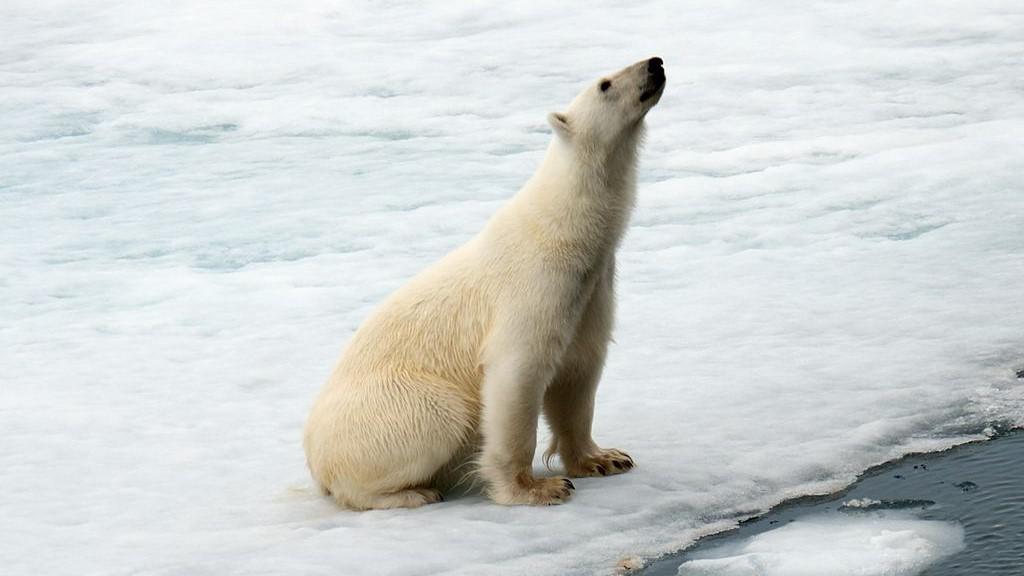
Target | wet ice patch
(883,544)
(868,504)
(861,503)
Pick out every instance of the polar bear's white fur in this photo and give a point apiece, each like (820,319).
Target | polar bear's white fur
(463,358)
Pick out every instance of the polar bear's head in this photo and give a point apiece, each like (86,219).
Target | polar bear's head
(612,107)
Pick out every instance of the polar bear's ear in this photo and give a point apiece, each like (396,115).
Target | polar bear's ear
(560,122)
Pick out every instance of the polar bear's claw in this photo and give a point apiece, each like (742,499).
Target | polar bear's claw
(601,463)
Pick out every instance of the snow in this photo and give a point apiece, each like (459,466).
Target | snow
(201,201)
(880,545)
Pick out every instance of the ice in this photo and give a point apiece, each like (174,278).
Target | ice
(862,503)
(199,202)
(858,505)
(878,545)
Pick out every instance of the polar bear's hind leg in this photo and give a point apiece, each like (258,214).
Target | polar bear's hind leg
(383,443)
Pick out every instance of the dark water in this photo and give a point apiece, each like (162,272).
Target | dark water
(979,485)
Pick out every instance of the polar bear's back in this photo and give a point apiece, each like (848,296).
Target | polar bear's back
(434,325)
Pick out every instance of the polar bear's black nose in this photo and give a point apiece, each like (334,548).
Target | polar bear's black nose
(654,64)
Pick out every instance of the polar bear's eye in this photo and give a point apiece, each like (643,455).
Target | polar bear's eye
(605,85)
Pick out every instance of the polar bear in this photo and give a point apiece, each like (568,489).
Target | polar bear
(457,365)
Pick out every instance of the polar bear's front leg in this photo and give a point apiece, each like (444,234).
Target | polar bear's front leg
(569,406)
(512,395)
(569,400)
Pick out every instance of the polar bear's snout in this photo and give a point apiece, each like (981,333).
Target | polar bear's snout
(655,79)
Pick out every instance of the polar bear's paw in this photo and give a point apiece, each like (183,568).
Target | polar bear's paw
(527,489)
(411,498)
(601,463)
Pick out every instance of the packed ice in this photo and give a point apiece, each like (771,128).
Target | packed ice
(200,202)
(883,544)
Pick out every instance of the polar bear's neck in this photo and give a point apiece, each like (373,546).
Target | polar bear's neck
(582,197)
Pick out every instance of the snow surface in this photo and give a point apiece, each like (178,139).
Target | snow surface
(200,202)
(883,544)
